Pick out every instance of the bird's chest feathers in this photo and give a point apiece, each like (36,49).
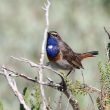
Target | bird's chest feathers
(55,55)
(52,48)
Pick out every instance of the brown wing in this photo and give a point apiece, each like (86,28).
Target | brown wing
(68,54)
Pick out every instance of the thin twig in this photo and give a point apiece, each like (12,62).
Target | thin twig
(34,65)
(59,102)
(16,74)
(46,8)
(88,91)
(107,44)
(91,89)
(13,86)
(68,103)
(72,100)
(107,32)
(92,101)
(83,77)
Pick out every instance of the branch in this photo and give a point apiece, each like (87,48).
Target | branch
(46,8)
(59,86)
(72,100)
(16,74)
(108,45)
(34,65)
(107,32)
(13,86)
(88,88)
(59,107)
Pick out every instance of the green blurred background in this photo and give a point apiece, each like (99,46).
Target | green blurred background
(79,22)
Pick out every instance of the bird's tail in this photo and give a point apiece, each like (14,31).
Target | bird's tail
(88,54)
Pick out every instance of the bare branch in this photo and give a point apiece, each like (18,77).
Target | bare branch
(90,89)
(68,103)
(107,32)
(34,65)
(92,101)
(46,8)
(59,86)
(72,100)
(59,102)
(16,74)
(107,45)
(13,86)
(83,77)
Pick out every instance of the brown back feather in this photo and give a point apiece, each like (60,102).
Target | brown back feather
(68,54)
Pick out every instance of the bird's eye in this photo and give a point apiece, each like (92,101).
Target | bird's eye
(53,33)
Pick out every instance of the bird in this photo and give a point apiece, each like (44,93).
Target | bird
(61,56)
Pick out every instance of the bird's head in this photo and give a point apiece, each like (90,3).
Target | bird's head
(52,46)
(54,34)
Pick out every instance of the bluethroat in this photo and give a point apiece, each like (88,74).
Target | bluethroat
(61,56)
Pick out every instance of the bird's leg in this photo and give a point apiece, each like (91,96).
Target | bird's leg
(69,72)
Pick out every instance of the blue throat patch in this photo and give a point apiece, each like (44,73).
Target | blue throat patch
(52,48)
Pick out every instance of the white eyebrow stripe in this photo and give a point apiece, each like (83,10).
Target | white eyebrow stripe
(54,33)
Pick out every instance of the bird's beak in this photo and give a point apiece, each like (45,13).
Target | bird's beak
(48,34)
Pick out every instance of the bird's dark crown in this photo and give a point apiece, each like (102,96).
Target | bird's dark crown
(54,34)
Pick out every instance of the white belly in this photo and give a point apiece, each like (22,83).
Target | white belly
(61,64)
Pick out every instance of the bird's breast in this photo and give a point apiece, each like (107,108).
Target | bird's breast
(56,58)
(53,51)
